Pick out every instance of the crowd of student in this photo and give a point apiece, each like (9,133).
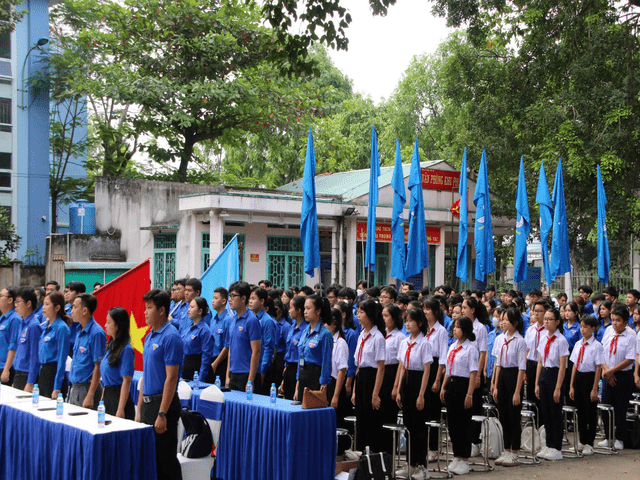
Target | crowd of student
(373,350)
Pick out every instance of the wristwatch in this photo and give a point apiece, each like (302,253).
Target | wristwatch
(162,414)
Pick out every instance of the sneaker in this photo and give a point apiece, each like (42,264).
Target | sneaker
(475,450)
(432,456)
(453,464)
(553,454)
(543,451)
(618,445)
(461,468)
(587,450)
(604,444)
(580,446)
(420,473)
(501,458)
(404,472)
(511,460)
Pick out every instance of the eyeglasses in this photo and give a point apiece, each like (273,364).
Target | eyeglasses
(234,295)
(19,301)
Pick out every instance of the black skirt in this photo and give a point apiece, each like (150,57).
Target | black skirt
(191,365)
(111,400)
(47,378)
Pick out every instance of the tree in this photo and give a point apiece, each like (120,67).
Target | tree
(9,15)
(9,240)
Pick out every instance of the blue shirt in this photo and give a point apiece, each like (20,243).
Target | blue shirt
(242,332)
(491,360)
(291,353)
(162,348)
(9,330)
(588,308)
(74,328)
(220,331)
(316,348)
(572,334)
(351,337)
(26,359)
(180,318)
(268,345)
(88,350)
(54,347)
(113,375)
(282,332)
(447,321)
(198,341)
(527,320)
(38,313)
(602,330)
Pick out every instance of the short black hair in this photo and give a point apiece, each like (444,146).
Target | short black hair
(28,295)
(536,291)
(90,302)
(403,298)
(333,290)
(597,297)
(347,292)
(373,292)
(267,283)
(425,291)
(635,293)
(76,286)
(466,325)
(393,293)
(306,289)
(222,292)
(261,293)
(160,298)
(242,289)
(621,310)
(202,305)
(12,291)
(611,291)
(54,283)
(195,283)
(490,288)
(586,289)
(590,321)
(408,284)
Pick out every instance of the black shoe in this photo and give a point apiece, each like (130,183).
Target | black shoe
(570,428)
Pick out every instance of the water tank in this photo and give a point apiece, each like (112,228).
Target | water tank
(82,217)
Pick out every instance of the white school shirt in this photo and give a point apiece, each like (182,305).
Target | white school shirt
(438,339)
(372,349)
(496,343)
(559,348)
(481,336)
(638,343)
(626,348)
(532,338)
(593,354)
(392,344)
(511,352)
(419,355)
(466,360)
(340,355)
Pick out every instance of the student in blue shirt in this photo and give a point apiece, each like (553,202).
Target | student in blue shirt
(159,404)
(26,362)
(71,291)
(351,337)
(178,314)
(53,347)
(197,342)
(604,317)
(220,331)
(192,289)
(315,347)
(117,366)
(40,293)
(245,336)
(282,332)
(257,301)
(291,356)
(9,329)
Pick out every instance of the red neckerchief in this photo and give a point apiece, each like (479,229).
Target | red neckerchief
(362,347)
(581,354)
(547,347)
(538,330)
(430,332)
(505,344)
(613,348)
(408,354)
(451,358)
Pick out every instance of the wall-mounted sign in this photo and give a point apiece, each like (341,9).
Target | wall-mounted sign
(383,233)
(440,180)
(254,257)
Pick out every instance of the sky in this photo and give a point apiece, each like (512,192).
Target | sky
(381,48)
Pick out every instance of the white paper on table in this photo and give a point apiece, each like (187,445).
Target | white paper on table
(343,476)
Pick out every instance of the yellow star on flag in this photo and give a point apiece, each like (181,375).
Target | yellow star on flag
(137,333)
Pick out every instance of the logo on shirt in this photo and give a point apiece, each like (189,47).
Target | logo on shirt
(1,327)
(239,329)
(82,349)
(46,339)
(193,337)
(155,345)
(295,342)
(313,344)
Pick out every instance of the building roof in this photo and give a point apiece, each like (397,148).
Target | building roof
(352,184)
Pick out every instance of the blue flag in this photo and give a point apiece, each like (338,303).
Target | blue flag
(483,232)
(222,272)
(523,227)
(463,225)
(397,219)
(374,173)
(546,213)
(603,241)
(309,216)
(417,250)
(560,254)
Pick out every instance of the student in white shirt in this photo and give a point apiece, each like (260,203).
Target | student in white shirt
(587,358)
(410,388)
(457,392)
(534,334)
(617,376)
(553,353)
(511,367)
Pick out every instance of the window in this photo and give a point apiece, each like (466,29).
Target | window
(5,114)
(226,238)
(285,261)
(5,161)
(383,258)
(5,45)
(164,260)
(5,180)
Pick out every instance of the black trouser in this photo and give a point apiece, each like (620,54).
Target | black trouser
(532,368)
(619,397)
(458,417)
(587,410)
(111,398)
(221,372)
(309,377)
(413,418)
(476,427)
(388,406)
(20,380)
(510,415)
(191,365)
(368,420)
(12,374)
(269,378)
(278,365)
(290,375)
(567,382)
(434,404)
(238,381)
(341,412)
(551,411)
(167,462)
(46,378)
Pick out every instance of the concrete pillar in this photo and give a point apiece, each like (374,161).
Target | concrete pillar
(440,258)
(341,252)
(334,253)
(195,244)
(351,234)
(216,231)
(17,270)
(568,288)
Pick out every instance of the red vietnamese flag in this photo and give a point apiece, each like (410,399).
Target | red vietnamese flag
(455,208)
(127,291)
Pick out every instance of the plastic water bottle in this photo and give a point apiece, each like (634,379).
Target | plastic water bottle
(273,394)
(218,381)
(35,396)
(600,390)
(59,406)
(249,391)
(101,422)
(196,380)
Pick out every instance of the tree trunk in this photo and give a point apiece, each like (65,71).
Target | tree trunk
(185,157)
(54,212)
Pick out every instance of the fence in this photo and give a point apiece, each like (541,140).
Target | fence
(622,283)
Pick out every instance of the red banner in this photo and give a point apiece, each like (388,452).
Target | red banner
(455,208)
(440,180)
(383,233)
(127,291)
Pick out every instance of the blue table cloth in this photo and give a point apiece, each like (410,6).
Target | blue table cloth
(34,447)
(282,442)
(133,389)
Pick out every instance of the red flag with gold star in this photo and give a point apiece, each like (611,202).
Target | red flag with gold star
(127,291)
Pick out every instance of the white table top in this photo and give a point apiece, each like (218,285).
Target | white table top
(13,395)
